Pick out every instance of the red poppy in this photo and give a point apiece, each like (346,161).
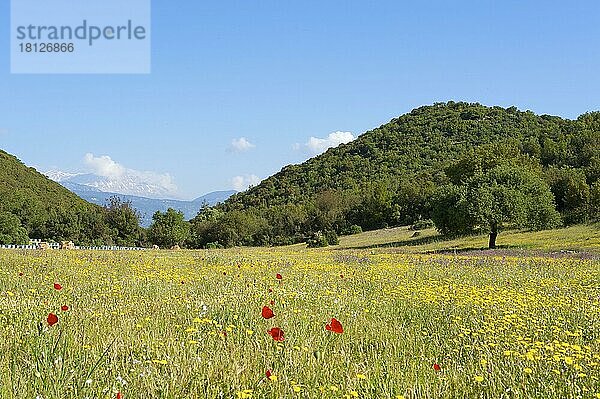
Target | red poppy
(267,313)
(279,277)
(276,333)
(436,367)
(64,308)
(57,286)
(269,373)
(119,396)
(52,319)
(335,326)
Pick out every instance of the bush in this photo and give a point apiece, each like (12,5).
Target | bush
(320,239)
(354,229)
(332,237)
(317,240)
(422,224)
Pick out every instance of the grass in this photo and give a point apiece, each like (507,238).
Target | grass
(188,324)
(580,238)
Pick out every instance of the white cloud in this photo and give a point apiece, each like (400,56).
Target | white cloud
(241,145)
(241,183)
(316,145)
(123,180)
(104,166)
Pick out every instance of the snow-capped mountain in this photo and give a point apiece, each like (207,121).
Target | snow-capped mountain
(127,185)
(59,175)
(147,198)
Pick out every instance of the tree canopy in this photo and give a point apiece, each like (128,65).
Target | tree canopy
(11,231)
(124,221)
(169,229)
(490,191)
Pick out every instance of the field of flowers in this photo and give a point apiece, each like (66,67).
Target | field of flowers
(286,323)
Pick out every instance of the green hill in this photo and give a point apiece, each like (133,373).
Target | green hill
(43,208)
(425,141)
(390,175)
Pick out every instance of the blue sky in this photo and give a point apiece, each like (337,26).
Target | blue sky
(278,73)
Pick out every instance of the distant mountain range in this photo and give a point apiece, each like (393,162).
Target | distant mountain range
(130,185)
(98,190)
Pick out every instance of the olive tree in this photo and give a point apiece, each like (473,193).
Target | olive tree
(485,198)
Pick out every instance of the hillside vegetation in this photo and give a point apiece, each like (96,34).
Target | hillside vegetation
(467,167)
(33,206)
(39,207)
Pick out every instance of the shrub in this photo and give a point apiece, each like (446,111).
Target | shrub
(320,239)
(354,229)
(332,237)
(317,240)
(422,224)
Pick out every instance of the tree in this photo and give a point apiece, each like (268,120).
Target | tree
(595,201)
(506,194)
(376,208)
(11,231)
(286,223)
(62,225)
(571,193)
(412,199)
(169,229)
(124,220)
(95,230)
(326,211)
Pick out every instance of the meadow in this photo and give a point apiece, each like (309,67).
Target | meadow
(190,324)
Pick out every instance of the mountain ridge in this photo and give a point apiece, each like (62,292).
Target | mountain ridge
(123,184)
(148,206)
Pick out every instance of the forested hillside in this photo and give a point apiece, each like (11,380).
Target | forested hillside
(33,206)
(395,174)
(465,168)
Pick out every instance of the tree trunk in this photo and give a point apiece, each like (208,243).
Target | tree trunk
(493,235)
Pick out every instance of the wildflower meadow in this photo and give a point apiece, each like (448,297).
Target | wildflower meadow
(297,323)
